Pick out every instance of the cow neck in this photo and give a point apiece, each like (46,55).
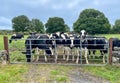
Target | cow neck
(82,39)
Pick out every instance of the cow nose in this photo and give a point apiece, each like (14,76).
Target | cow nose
(71,45)
(83,36)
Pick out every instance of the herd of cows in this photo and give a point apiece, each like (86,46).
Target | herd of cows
(66,42)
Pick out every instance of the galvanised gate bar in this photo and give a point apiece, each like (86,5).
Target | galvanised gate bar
(60,54)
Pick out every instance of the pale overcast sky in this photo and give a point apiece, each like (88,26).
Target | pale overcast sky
(69,10)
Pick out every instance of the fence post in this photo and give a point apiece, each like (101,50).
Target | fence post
(110,51)
(5,38)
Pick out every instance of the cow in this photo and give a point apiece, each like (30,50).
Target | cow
(115,43)
(116,49)
(97,43)
(80,43)
(40,41)
(15,37)
(57,44)
(66,41)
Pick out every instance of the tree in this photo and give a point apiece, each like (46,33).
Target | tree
(36,26)
(93,21)
(20,23)
(55,24)
(116,27)
(67,28)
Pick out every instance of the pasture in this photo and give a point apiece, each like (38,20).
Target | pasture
(27,73)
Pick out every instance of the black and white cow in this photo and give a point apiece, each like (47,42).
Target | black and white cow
(81,45)
(58,42)
(115,49)
(115,43)
(89,43)
(38,41)
(15,37)
(97,43)
(66,41)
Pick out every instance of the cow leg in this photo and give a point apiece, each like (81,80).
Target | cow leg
(64,52)
(73,54)
(56,56)
(45,57)
(28,55)
(104,58)
(89,53)
(94,54)
(37,53)
(55,51)
(68,53)
(28,58)
(77,60)
(86,52)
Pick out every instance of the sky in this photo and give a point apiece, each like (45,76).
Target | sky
(69,10)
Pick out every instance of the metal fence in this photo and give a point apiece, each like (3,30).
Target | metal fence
(17,54)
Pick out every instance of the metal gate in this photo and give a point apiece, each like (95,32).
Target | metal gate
(17,54)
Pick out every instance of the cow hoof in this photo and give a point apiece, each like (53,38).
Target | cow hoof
(28,60)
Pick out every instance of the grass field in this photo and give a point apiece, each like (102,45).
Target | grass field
(13,73)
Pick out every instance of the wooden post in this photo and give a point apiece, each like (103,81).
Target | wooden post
(5,38)
(110,51)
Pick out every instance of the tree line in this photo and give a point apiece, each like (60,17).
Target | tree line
(91,20)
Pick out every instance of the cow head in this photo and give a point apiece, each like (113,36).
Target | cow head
(56,38)
(83,34)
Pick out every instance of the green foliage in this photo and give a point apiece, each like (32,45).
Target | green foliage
(5,32)
(67,28)
(36,26)
(93,21)
(116,27)
(20,23)
(56,24)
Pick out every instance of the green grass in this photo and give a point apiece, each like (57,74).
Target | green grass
(110,35)
(12,73)
(59,73)
(108,72)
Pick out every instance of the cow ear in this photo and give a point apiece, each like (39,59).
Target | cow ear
(61,32)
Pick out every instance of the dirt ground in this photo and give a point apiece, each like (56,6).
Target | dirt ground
(37,74)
